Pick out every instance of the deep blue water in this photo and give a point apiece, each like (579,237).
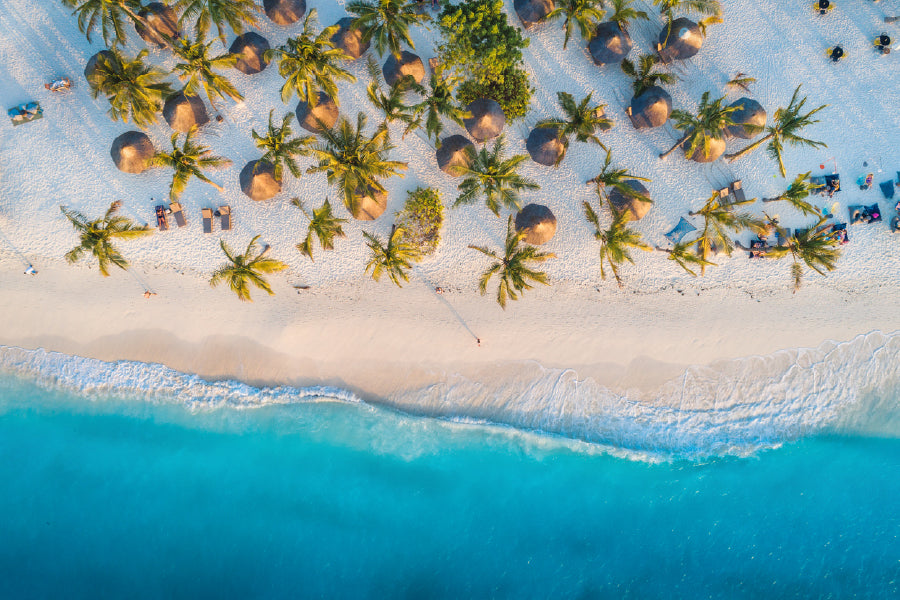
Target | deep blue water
(119,497)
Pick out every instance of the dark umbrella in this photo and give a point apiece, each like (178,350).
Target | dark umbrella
(487,119)
(532,11)
(537,222)
(545,146)
(637,205)
(651,109)
(182,112)
(163,24)
(749,118)
(90,69)
(408,64)
(455,152)
(323,116)
(258,180)
(679,40)
(131,151)
(348,39)
(250,49)
(369,205)
(610,45)
(284,12)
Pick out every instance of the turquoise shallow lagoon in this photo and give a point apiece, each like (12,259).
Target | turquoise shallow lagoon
(117,496)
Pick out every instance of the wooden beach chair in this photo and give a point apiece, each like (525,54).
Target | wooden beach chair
(162,222)
(178,213)
(207,216)
(737,190)
(224,213)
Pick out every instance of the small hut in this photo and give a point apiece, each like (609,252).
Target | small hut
(183,112)
(90,69)
(487,119)
(258,180)
(651,109)
(284,12)
(609,45)
(319,118)
(368,205)
(679,40)
(395,69)
(545,146)
(163,24)
(250,49)
(532,11)
(455,153)
(749,119)
(716,149)
(131,151)
(348,39)
(537,222)
(636,206)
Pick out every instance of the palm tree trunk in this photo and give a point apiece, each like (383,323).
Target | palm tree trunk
(775,199)
(137,18)
(677,145)
(217,186)
(891,19)
(740,153)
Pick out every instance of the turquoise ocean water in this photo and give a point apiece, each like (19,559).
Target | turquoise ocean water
(117,492)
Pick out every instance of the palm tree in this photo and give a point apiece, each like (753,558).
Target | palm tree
(615,179)
(205,13)
(616,241)
(309,63)
(280,148)
(97,236)
(323,225)
(513,267)
(642,75)
(392,104)
(797,193)
(785,129)
(587,14)
(135,91)
(386,22)
(817,248)
(623,14)
(438,101)
(494,178)
(109,16)
(582,120)
(699,7)
(199,69)
(711,122)
(245,269)
(188,161)
(719,220)
(685,257)
(353,161)
(394,258)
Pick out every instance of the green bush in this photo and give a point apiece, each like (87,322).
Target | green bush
(512,90)
(422,218)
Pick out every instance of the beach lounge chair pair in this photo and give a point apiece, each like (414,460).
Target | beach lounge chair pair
(224,214)
(162,216)
(25,113)
(864,214)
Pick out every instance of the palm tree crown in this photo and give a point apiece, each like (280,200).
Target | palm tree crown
(243,270)
(623,14)
(280,148)
(188,161)
(205,13)
(199,69)
(817,248)
(135,91)
(394,258)
(615,242)
(642,74)
(586,14)
(710,123)
(582,120)
(494,178)
(699,7)
(438,101)
(685,256)
(323,225)
(97,236)
(718,220)
(386,22)
(617,179)
(108,15)
(797,193)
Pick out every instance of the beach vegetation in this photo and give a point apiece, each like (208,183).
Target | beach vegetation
(797,194)
(711,122)
(189,160)
(668,8)
(582,120)
(107,15)
(511,89)
(200,70)
(235,14)
(616,241)
(323,225)
(817,248)
(438,101)
(422,218)
(245,270)
(684,254)
(386,23)
(741,81)
(280,148)
(610,178)
(584,14)
(494,178)
(98,235)
(394,257)
(720,222)
(623,13)
(643,74)
(393,103)
(135,90)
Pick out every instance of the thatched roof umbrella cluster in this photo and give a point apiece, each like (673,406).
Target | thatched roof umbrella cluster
(408,64)
(163,24)
(609,45)
(651,108)
(323,116)
(749,113)
(545,146)
(487,120)
(348,39)
(533,11)
(258,180)
(455,152)
(182,112)
(679,40)
(284,12)
(637,205)
(131,151)
(250,49)
(537,222)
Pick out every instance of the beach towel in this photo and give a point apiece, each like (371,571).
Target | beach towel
(25,113)
(887,188)
(679,231)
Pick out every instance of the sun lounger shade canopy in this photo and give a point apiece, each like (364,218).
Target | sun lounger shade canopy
(636,206)
(163,24)
(258,180)
(131,151)
(684,41)
(284,12)
(537,222)
(487,120)
(408,64)
(532,11)
(250,49)
(323,116)
(545,146)
(183,112)
(610,45)
(455,152)
(348,39)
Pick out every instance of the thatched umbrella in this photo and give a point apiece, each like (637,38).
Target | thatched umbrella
(163,24)
(487,119)
(284,12)
(250,49)
(610,45)
(532,11)
(183,112)
(749,112)
(454,154)
(651,109)
(537,222)
(323,116)
(545,146)
(682,41)
(349,39)
(716,149)
(131,151)
(90,69)
(258,180)
(369,205)
(635,206)
(408,64)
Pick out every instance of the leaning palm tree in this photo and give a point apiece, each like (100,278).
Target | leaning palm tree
(97,236)
(785,128)
(206,13)
(438,101)
(243,270)
(617,179)
(817,248)
(582,120)
(586,14)
(353,161)
(698,7)
(109,16)
(188,161)
(623,14)
(392,103)
(642,75)
(135,90)
(615,242)
(394,258)
(496,179)
(323,225)
(797,193)
(199,70)
(280,149)
(686,257)
(719,222)
(386,23)
(309,63)
(711,122)
(513,266)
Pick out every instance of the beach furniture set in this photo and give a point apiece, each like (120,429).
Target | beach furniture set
(223,213)
(176,211)
(881,44)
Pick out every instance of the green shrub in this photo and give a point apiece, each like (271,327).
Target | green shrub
(512,90)
(422,218)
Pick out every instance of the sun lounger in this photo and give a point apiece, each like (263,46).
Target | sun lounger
(887,188)
(25,113)
(161,221)
(895,224)
(207,216)
(839,231)
(833,182)
(224,213)
(679,231)
(737,191)
(781,236)
(178,213)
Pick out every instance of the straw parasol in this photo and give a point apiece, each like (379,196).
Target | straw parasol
(284,12)
(651,109)
(131,151)
(163,24)
(610,45)
(749,112)
(408,64)
(487,119)
(545,146)
(369,205)
(532,11)
(250,49)
(90,69)
(716,149)
(454,154)
(636,207)
(349,39)
(320,118)
(537,222)
(258,180)
(684,41)
(183,112)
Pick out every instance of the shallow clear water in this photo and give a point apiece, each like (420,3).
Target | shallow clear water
(118,496)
